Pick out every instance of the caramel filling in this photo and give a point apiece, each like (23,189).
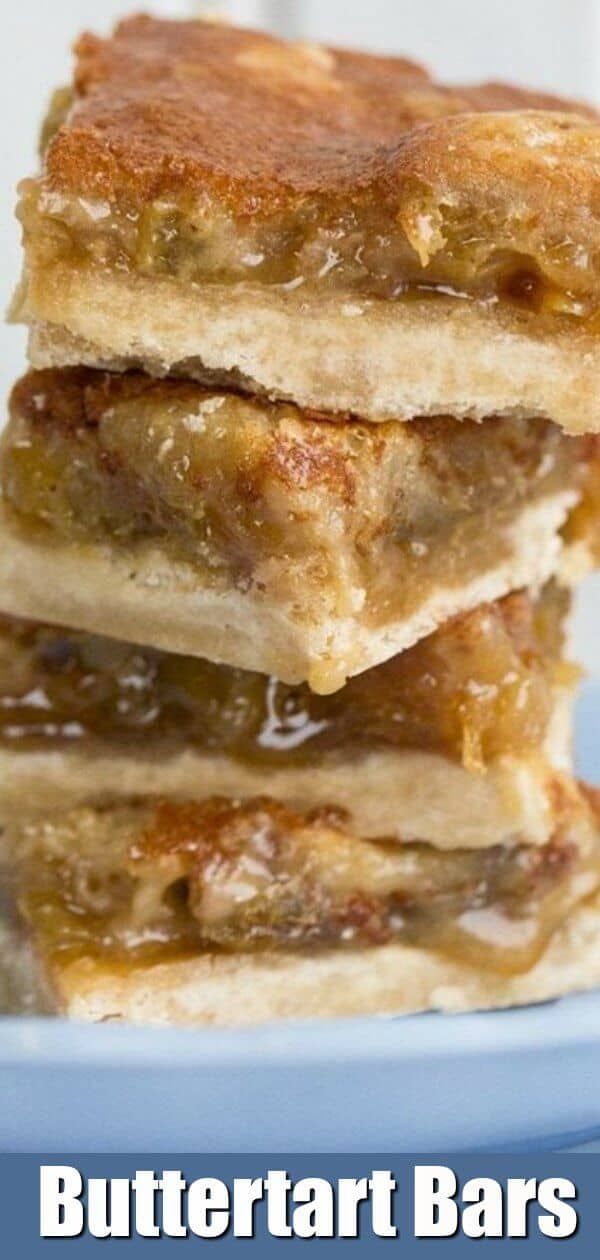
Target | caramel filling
(483,686)
(331,518)
(143,884)
(370,251)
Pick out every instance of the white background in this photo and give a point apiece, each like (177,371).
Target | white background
(553,44)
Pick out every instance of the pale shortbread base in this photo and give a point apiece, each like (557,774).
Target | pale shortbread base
(373,358)
(385,980)
(407,795)
(135,592)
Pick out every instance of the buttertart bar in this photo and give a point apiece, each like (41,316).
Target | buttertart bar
(462,738)
(257,535)
(231,912)
(325,226)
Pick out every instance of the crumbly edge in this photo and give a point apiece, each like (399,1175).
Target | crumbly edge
(136,593)
(374,359)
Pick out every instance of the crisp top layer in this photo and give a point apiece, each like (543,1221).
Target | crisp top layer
(210,155)
(163,108)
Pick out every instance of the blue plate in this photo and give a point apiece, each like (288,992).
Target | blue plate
(519,1079)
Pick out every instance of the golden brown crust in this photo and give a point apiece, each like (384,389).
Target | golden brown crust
(251,187)
(166,109)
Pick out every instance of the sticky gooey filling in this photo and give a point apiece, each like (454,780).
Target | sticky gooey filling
(483,686)
(429,250)
(146,883)
(366,520)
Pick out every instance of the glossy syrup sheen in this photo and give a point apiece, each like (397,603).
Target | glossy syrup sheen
(480,687)
(144,885)
(310,250)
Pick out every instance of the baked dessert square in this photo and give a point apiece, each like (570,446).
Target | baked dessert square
(260,536)
(233,912)
(289,508)
(464,738)
(319,225)
(423,844)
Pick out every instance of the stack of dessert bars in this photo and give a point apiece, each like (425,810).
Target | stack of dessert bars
(293,497)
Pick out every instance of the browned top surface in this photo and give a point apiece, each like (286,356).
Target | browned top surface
(304,447)
(279,480)
(165,109)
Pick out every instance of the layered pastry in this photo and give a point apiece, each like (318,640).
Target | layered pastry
(323,226)
(464,739)
(220,911)
(290,503)
(261,536)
